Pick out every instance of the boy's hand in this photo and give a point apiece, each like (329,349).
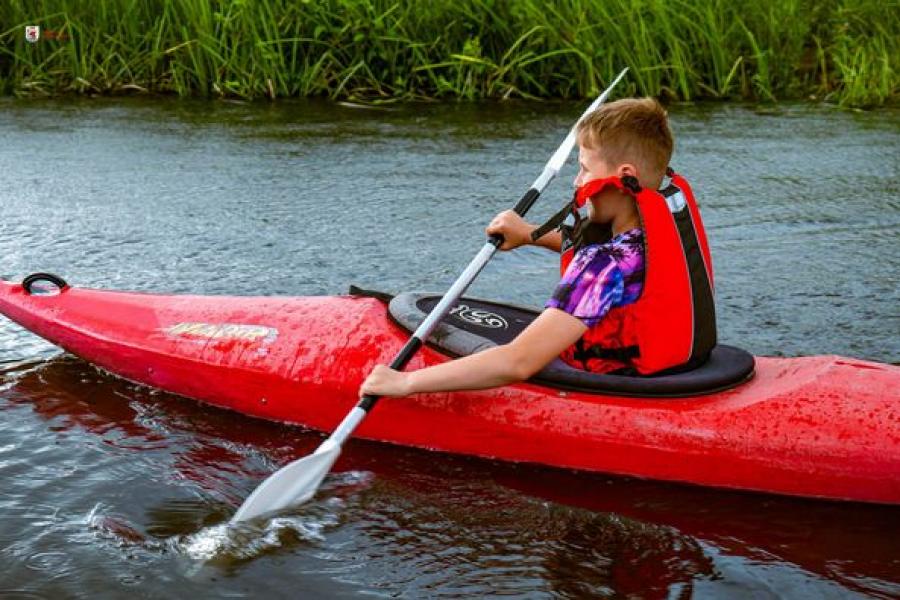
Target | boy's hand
(514,229)
(384,381)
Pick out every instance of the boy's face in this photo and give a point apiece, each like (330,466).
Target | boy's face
(591,166)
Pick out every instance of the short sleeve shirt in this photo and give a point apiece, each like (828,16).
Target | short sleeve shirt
(601,277)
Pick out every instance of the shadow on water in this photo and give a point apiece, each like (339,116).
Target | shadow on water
(392,519)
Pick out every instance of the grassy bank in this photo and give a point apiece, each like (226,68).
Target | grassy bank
(844,51)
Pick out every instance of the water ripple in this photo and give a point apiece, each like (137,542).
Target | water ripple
(114,489)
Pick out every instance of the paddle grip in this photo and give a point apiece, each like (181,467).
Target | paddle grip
(406,353)
(527,201)
(523,206)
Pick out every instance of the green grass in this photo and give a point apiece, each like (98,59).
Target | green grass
(843,51)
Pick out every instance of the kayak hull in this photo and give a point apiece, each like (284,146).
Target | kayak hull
(821,426)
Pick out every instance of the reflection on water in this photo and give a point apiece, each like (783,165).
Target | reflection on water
(111,487)
(147,482)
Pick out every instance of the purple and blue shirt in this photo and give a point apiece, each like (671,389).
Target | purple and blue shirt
(601,277)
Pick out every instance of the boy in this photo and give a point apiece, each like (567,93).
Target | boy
(597,319)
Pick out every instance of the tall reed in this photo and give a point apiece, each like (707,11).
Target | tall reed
(845,51)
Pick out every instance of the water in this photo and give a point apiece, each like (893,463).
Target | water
(111,489)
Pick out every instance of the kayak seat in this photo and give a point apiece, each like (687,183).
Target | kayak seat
(475,324)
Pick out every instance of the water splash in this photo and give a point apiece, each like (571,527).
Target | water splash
(304,524)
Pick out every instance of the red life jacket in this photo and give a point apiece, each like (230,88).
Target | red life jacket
(672,325)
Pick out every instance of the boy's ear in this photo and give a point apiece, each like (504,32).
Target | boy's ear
(627,169)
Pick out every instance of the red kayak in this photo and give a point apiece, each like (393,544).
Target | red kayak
(821,426)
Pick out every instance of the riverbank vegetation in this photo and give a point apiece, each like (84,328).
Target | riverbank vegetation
(841,51)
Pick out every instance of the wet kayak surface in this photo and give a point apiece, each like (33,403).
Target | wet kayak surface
(111,489)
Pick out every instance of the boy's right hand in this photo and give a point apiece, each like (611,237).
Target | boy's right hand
(514,229)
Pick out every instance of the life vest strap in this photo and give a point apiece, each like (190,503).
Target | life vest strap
(553,222)
(627,184)
(624,354)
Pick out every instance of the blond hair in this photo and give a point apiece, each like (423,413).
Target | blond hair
(632,130)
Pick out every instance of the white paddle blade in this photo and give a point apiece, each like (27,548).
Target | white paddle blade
(291,485)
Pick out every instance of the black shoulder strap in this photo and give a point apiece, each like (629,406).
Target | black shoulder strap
(553,222)
(624,354)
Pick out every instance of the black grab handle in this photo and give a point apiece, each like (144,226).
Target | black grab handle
(35,277)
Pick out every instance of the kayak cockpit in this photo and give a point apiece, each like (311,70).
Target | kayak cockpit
(475,324)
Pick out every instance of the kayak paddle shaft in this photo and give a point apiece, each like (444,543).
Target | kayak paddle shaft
(298,481)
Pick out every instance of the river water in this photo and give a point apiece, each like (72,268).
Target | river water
(111,489)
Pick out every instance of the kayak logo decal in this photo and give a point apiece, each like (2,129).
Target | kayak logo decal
(218,331)
(478,316)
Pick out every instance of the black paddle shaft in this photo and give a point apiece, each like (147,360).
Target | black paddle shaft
(522,207)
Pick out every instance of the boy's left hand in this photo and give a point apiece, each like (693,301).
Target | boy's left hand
(384,381)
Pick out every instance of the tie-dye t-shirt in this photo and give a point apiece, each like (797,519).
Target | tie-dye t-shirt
(601,277)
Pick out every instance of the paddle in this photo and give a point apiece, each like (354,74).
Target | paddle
(298,481)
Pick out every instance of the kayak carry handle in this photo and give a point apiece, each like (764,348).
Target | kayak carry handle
(56,280)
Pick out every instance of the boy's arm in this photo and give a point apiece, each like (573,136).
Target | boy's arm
(542,341)
(550,241)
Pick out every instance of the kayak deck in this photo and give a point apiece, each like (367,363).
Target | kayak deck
(822,426)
